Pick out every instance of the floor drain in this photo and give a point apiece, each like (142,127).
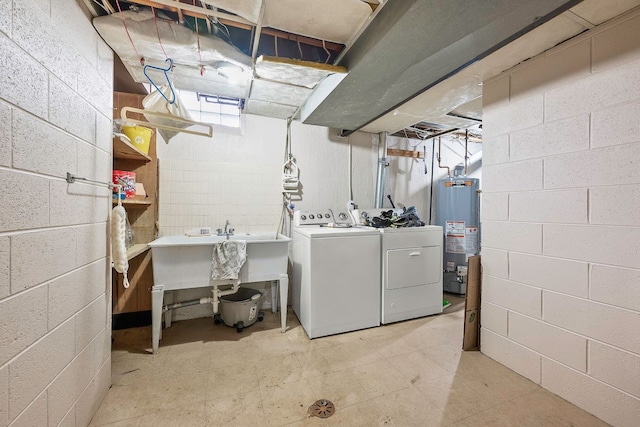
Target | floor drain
(322,409)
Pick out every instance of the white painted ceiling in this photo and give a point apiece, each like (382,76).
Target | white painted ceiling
(278,89)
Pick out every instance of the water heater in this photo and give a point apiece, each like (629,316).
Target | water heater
(457,212)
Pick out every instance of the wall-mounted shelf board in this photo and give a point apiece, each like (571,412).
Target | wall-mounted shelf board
(123,149)
(136,250)
(133,203)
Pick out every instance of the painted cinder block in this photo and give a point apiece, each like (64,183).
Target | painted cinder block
(34,33)
(5,272)
(562,206)
(37,257)
(89,322)
(610,405)
(105,62)
(512,355)
(556,68)
(617,45)
(102,348)
(32,137)
(599,244)
(25,382)
(5,16)
(67,387)
(592,168)
(93,395)
(560,275)
(79,120)
(35,414)
(515,176)
(104,132)
(91,243)
(78,32)
(611,325)
(24,321)
(495,150)
(5,134)
(495,262)
(495,206)
(617,205)
(616,286)
(598,91)
(512,296)
(72,292)
(78,204)
(519,114)
(23,81)
(615,126)
(26,201)
(563,136)
(615,367)
(513,236)
(93,163)
(494,318)
(495,92)
(4,395)
(555,343)
(94,89)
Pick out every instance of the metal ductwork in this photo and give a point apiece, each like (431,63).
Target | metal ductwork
(412,45)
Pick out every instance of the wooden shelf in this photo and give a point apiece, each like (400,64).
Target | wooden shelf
(133,203)
(122,149)
(136,250)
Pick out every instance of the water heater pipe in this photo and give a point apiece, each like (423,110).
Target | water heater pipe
(466,151)
(382,167)
(439,150)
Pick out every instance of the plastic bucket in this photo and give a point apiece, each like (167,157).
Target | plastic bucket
(243,306)
(140,136)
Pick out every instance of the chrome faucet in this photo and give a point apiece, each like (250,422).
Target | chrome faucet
(227,230)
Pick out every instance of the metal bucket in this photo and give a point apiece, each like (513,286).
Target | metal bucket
(241,309)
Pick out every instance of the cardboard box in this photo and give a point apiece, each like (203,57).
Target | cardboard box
(140,193)
(471,337)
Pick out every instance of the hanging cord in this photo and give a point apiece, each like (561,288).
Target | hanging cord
(300,49)
(327,51)
(198,41)
(155,21)
(129,35)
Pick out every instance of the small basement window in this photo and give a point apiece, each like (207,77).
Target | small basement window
(213,109)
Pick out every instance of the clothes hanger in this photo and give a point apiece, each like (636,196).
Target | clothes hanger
(166,76)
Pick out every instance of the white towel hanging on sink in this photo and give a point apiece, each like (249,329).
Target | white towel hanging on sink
(227,259)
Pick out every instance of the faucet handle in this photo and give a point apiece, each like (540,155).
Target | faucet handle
(219,231)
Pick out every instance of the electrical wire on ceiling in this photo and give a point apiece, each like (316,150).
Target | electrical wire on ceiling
(129,35)
(198,41)
(155,21)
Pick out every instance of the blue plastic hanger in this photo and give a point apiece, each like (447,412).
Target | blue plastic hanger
(164,70)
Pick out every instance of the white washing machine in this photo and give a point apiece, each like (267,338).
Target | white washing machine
(335,278)
(411,261)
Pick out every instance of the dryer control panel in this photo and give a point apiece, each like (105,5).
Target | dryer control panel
(323,218)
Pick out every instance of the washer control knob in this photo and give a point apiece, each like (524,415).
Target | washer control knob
(311,216)
(342,216)
(327,216)
(303,217)
(319,216)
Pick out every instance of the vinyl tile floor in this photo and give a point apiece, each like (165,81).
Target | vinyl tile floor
(410,373)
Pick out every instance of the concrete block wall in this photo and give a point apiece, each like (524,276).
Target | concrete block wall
(56,90)
(561,238)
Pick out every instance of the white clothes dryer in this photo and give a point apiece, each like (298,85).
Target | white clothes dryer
(335,278)
(411,259)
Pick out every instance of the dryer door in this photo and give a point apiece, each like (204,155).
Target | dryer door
(410,267)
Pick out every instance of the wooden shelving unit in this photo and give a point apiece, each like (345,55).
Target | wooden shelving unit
(123,149)
(136,250)
(134,203)
(132,306)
